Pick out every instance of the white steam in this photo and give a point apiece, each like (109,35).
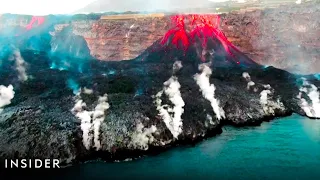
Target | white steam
(6,95)
(248,79)
(91,120)
(142,137)
(208,90)
(87,91)
(311,90)
(85,117)
(305,106)
(128,33)
(98,118)
(20,65)
(264,101)
(172,90)
(177,65)
(267,104)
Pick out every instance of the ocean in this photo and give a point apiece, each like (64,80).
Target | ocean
(287,148)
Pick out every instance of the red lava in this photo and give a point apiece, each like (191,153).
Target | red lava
(203,27)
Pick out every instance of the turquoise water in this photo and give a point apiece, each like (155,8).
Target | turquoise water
(287,148)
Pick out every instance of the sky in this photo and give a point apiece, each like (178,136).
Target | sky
(45,7)
(41,7)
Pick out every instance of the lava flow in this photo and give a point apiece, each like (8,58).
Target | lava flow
(35,19)
(178,32)
(38,20)
(202,27)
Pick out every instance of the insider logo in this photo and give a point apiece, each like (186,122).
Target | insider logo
(31,163)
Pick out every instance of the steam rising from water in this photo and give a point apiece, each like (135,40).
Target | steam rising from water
(313,109)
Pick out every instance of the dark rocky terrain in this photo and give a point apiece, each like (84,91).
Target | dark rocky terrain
(46,118)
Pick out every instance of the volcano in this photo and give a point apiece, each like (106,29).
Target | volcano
(197,38)
(182,89)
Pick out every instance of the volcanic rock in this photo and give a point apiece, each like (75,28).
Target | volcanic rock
(40,122)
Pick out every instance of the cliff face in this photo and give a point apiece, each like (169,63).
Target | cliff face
(285,37)
(120,39)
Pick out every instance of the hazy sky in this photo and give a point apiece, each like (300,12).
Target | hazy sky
(44,7)
(41,7)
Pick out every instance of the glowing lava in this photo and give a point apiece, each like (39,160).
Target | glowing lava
(178,32)
(201,27)
(35,19)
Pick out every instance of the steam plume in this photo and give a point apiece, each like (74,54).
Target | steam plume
(98,118)
(91,120)
(305,106)
(143,136)
(208,90)
(266,102)
(311,90)
(72,84)
(172,90)
(20,64)
(6,95)
(85,117)
(87,91)
(248,78)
